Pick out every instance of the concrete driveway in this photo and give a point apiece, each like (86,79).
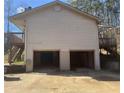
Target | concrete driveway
(47,81)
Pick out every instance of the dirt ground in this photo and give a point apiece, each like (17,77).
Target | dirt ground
(48,81)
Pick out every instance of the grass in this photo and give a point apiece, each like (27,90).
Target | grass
(15,63)
(19,63)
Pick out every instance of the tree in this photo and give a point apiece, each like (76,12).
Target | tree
(107,10)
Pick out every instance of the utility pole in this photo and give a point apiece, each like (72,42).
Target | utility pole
(8,31)
(8,24)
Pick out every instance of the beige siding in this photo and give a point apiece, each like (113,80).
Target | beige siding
(61,30)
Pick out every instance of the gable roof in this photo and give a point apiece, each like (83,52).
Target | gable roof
(18,23)
(52,3)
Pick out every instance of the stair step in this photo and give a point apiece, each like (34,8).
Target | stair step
(14,53)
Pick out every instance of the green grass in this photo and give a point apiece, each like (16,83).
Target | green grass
(19,63)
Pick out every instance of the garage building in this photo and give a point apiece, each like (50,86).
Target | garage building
(59,35)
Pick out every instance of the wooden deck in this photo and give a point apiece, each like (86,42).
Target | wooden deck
(16,38)
(16,41)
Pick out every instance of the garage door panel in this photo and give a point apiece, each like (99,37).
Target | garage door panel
(81,59)
(46,59)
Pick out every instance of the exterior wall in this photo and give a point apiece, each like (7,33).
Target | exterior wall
(64,60)
(63,30)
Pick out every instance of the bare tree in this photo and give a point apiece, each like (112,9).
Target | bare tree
(107,10)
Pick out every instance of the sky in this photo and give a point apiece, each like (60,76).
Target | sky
(16,5)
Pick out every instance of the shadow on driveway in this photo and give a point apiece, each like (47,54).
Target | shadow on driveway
(97,75)
(15,69)
(11,78)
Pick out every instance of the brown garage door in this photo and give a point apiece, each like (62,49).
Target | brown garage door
(46,59)
(81,59)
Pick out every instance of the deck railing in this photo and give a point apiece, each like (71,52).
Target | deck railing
(15,37)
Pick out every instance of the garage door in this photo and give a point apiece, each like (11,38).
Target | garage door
(46,59)
(81,59)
